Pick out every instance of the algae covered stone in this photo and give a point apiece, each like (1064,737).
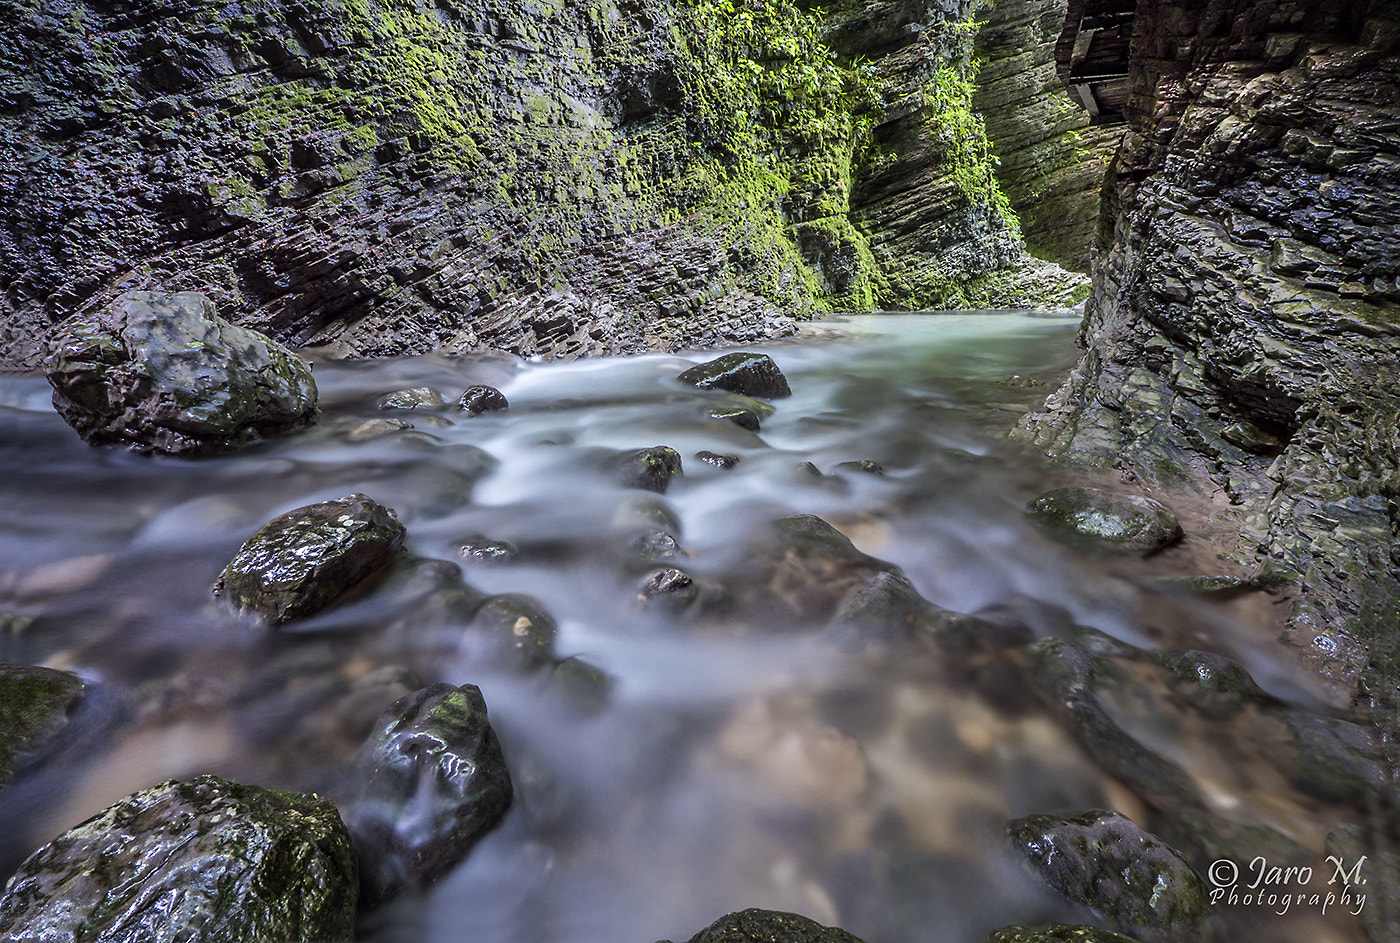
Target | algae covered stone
(205,860)
(739,372)
(1103,860)
(433,780)
(165,373)
(650,468)
(298,563)
(770,926)
(1098,518)
(34,706)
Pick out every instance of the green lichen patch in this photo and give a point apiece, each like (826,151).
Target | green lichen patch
(34,706)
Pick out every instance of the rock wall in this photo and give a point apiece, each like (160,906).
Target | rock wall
(389,176)
(1049,161)
(1244,328)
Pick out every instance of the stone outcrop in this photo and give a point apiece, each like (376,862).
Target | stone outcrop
(387,177)
(1050,160)
(1242,332)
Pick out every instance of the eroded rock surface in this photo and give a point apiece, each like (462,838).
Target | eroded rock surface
(770,926)
(204,861)
(165,373)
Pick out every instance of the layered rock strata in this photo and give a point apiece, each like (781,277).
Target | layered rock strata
(1242,331)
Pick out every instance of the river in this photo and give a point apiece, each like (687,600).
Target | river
(682,763)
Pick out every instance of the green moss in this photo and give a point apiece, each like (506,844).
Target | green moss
(948,99)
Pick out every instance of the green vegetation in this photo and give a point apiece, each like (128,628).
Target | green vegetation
(964,136)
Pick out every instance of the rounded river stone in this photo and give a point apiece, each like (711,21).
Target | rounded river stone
(1101,518)
(747,373)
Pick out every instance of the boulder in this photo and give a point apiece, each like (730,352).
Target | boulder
(420,397)
(34,706)
(205,860)
(1056,933)
(432,781)
(510,630)
(770,926)
(299,562)
(746,373)
(482,399)
(651,468)
(164,373)
(1106,519)
(1105,861)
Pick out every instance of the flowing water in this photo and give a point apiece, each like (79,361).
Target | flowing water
(677,764)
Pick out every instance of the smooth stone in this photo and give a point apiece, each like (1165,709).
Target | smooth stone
(651,469)
(419,397)
(510,630)
(433,780)
(1216,685)
(744,418)
(165,373)
(864,465)
(204,861)
(298,563)
(374,428)
(1104,860)
(747,373)
(1092,516)
(1057,933)
(580,685)
(479,549)
(717,460)
(1338,761)
(34,707)
(478,400)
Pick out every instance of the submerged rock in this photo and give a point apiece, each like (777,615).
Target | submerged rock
(34,706)
(1057,933)
(420,397)
(206,860)
(433,780)
(1338,761)
(480,549)
(1216,685)
(770,926)
(1105,861)
(746,373)
(510,630)
(718,460)
(864,465)
(651,468)
(668,587)
(1092,516)
(744,418)
(298,563)
(164,373)
(478,400)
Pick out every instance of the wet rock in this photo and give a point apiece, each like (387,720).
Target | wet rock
(1380,870)
(420,397)
(1094,517)
(298,563)
(480,549)
(644,513)
(478,400)
(164,373)
(205,860)
(746,373)
(668,587)
(374,428)
(745,418)
(808,470)
(717,460)
(34,706)
(1336,760)
(654,546)
(770,926)
(1105,861)
(864,466)
(510,630)
(580,685)
(806,568)
(433,780)
(651,469)
(1217,685)
(1057,933)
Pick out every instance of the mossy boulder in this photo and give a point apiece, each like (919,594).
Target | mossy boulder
(205,860)
(165,373)
(34,706)
(739,372)
(651,469)
(1092,517)
(432,781)
(1103,860)
(770,926)
(298,563)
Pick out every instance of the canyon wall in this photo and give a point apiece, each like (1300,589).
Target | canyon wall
(391,176)
(1243,334)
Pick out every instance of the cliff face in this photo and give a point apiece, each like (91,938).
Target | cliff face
(388,176)
(1049,161)
(1244,327)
